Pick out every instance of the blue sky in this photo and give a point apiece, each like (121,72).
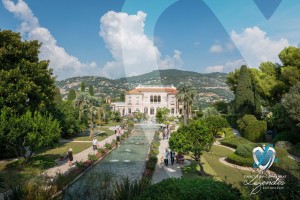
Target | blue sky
(128,37)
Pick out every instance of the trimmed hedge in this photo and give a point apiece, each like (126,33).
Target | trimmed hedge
(240,160)
(190,189)
(235,142)
(245,150)
(252,129)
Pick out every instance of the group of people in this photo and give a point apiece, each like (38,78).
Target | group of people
(168,154)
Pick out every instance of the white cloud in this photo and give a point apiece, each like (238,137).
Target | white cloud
(256,47)
(217,68)
(63,64)
(232,65)
(216,48)
(133,52)
(227,67)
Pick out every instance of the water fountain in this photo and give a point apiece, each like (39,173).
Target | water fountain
(128,160)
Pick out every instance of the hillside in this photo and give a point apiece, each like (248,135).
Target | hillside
(211,87)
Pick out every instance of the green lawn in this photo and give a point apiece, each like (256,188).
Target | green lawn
(214,168)
(100,137)
(14,172)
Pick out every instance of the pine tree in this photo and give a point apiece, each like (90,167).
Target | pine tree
(244,97)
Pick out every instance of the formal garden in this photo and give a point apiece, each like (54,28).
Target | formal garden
(38,127)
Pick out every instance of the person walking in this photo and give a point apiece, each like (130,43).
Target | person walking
(118,134)
(166,157)
(172,156)
(95,142)
(70,156)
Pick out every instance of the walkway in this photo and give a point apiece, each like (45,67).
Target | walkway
(163,172)
(63,166)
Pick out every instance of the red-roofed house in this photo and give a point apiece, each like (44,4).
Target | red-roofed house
(147,99)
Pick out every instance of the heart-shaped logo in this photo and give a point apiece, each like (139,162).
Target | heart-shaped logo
(263,157)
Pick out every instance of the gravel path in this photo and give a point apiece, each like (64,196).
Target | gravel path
(63,166)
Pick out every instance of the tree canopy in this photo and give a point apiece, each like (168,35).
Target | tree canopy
(25,81)
(161,114)
(194,138)
(30,129)
(291,103)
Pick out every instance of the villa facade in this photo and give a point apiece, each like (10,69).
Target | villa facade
(147,99)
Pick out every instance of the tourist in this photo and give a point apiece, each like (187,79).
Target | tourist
(70,156)
(168,133)
(118,134)
(95,143)
(163,135)
(166,157)
(172,156)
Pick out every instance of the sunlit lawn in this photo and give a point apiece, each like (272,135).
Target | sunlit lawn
(14,173)
(214,168)
(100,137)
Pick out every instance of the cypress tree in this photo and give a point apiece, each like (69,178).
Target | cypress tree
(244,97)
(82,87)
(71,95)
(91,90)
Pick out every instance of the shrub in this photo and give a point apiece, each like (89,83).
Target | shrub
(235,142)
(107,146)
(92,157)
(129,190)
(202,188)
(101,151)
(37,188)
(255,131)
(80,165)
(252,129)
(295,150)
(245,150)
(291,136)
(150,164)
(239,160)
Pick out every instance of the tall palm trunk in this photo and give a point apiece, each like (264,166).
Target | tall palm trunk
(92,123)
(184,114)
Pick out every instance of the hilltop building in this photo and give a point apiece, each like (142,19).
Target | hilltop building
(147,99)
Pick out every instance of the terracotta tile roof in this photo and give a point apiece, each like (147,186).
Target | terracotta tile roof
(140,90)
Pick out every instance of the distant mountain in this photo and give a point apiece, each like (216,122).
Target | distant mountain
(211,87)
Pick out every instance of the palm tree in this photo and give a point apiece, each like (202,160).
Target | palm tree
(89,105)
(186,95)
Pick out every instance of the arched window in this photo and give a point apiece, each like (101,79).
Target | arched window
(152,111)
(158,98)
(155,99)
(146,110)
(151,99)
